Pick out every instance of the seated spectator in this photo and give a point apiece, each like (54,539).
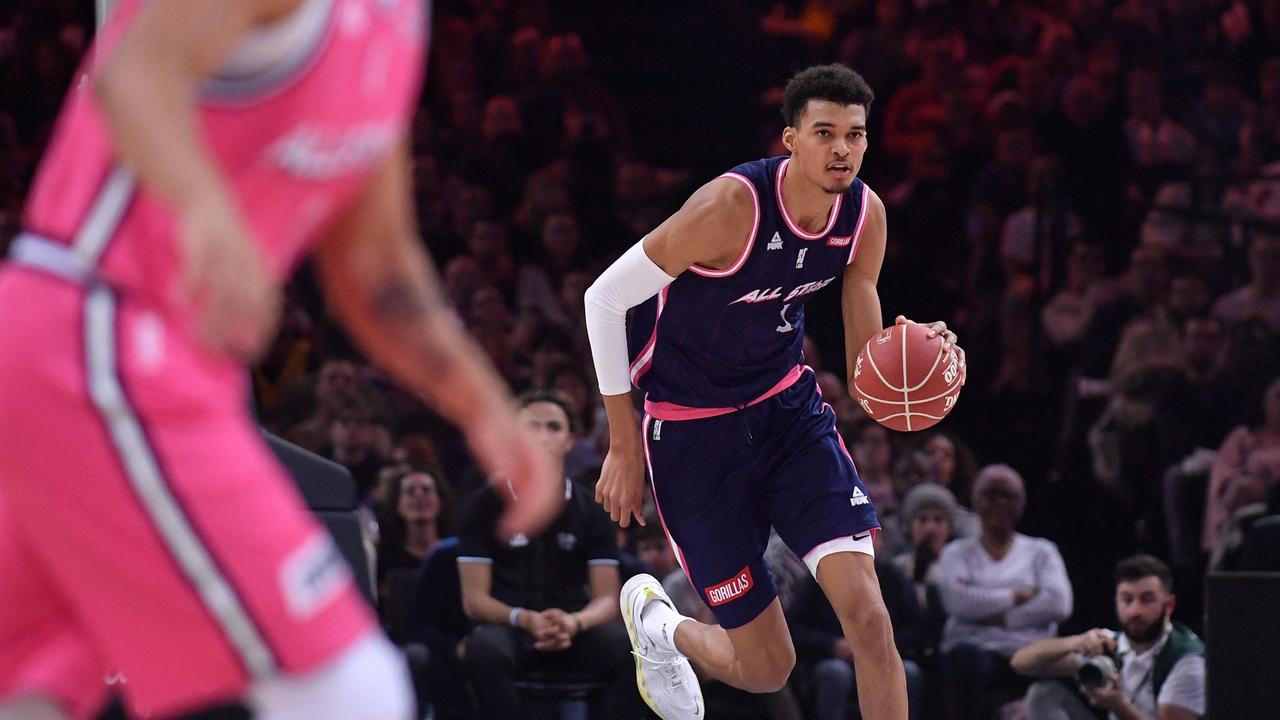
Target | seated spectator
(415,516)
(822,648)
(547,602)
(1246,468)
(1002,590)
(912,468)
(1161,669)
(929,514)
(1261,297)
(652,546)
(835,392)
(953,461)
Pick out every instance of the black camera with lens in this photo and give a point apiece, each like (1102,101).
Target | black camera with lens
(1096,671)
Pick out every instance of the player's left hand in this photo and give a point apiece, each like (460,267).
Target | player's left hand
(950,343)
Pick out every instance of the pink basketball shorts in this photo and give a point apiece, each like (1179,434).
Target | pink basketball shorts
(148,539)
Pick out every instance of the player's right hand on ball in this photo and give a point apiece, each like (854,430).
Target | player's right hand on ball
(225,276)
(621,486)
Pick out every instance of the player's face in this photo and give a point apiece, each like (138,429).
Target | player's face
(828,144)
(550,427)
(1142,606)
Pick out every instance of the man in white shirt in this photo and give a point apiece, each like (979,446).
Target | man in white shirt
(1156,667)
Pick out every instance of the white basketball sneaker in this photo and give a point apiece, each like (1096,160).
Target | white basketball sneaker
(664,676)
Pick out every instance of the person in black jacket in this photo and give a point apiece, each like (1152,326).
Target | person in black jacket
(549,602)
(821,646)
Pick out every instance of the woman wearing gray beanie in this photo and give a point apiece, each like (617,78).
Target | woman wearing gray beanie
(928,515)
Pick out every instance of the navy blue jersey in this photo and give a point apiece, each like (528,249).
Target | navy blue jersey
(723,338)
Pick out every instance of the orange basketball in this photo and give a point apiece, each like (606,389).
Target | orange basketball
(904,380)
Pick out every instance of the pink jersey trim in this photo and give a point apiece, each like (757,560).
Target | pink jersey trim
(644,360)
(648,461)
(672,411)
(786,217)
(751,239)
(862,219)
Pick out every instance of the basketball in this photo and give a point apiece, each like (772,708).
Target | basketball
(904,380)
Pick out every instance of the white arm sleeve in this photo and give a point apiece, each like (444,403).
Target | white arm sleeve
(629,281)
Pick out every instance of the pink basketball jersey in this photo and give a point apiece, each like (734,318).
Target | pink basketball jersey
(296,140)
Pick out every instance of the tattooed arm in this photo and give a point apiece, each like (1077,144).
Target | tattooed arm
(383,288)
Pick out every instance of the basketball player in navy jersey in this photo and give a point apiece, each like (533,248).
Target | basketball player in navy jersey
(735,433)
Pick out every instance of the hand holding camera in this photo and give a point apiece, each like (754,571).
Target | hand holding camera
(1095,642)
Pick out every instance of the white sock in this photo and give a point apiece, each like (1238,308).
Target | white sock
(659,622)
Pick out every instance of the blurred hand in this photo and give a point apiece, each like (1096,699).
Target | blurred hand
(621,486)
(510,455)
(1023,594)
(566,624)
(1107,698)
(226,278)
(1095,642)
(549,633)
(950,343)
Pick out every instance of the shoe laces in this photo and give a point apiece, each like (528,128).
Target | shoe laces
(670,670)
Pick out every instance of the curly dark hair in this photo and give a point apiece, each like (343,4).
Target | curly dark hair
(834,82)
(1138,567)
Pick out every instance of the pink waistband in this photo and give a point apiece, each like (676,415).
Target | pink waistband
(672,411)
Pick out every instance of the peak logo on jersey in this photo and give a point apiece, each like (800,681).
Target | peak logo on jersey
(731,589)
(834,241)
(859,498)
(317,153)
(765,294)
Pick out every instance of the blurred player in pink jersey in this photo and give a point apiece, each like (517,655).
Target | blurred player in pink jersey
(145,531)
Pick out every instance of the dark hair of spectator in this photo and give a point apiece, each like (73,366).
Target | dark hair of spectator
(1138,567)
(835,83)
(549,396)
(652,528)
(391,523)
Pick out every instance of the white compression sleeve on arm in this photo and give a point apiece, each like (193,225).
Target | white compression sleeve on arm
(629,281)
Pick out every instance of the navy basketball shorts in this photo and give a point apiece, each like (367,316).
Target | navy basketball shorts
(721,482)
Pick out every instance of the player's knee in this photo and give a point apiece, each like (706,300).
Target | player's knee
(370,681)
(771,670)
(870,627)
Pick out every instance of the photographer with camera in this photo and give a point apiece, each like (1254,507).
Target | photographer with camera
(1152,669)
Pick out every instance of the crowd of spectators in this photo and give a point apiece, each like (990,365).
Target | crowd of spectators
(1087,191)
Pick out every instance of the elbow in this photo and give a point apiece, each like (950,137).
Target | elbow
(471,609)
(592,302)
